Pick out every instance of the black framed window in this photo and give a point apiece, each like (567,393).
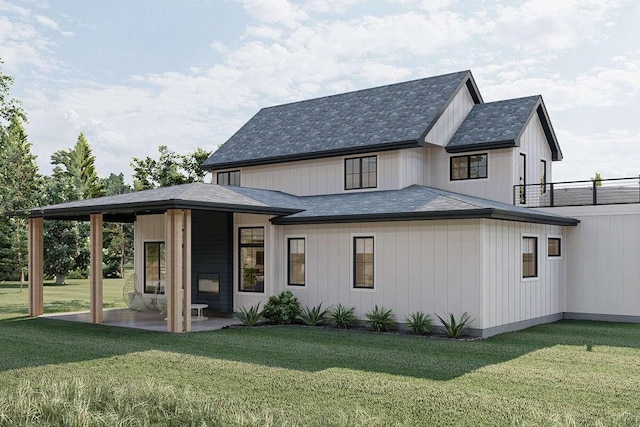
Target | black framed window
(296,261)
(529,257)
(554,247)
(154,267)
(468,167)
(363,262)
(251,259)
(361,172)
(229,178)
(209,286)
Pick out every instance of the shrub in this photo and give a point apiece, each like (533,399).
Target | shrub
(282,309)
(313,316)
(343,317)
(455,329)
(419,322)
(249,316)
(380,320)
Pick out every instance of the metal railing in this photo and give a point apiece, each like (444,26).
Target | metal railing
(613,191)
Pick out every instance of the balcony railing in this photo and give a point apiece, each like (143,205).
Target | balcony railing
(613,191)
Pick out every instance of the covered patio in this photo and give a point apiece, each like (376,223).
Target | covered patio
(150,321)
(175,204)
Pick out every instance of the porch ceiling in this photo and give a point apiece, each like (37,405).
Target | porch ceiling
(201,196)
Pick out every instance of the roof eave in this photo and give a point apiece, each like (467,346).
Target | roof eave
(493,145)
(489,213)
(412,143)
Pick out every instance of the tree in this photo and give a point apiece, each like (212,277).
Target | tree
(79,164)
(118,238)
(9,107)
(64,248)
(20,189)
(170,169)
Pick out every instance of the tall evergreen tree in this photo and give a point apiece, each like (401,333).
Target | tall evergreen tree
(79,164)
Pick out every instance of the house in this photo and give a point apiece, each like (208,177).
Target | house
(411,196)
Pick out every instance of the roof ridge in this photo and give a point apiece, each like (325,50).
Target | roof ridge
(364,89)
(452,196)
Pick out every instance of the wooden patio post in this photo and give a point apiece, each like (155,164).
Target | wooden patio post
(36,266)
(178,269)
(95,273)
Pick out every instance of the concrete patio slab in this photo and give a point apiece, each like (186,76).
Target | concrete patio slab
(151,321)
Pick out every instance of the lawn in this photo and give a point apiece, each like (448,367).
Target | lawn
(64,373)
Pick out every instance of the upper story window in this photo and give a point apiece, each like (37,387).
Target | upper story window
(229,178)
(469,167)
(361,172)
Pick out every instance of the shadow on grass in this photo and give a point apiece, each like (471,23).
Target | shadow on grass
(33,342)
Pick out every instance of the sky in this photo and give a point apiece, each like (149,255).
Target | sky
(136,74)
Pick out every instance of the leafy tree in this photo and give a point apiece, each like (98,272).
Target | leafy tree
(65,244)
(6,264)
(170,169)
(9,107)
(118,238)
(79,164)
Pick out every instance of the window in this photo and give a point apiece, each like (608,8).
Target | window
(296,261)
(363,264)
(154,268)
(543,176)
(468,167)
(229,178)
(554,247)
(209,286)
(361,172)
(251,259)
(529,257)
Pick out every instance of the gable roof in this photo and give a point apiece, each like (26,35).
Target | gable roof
(500,124)
(382,118)
(411,203)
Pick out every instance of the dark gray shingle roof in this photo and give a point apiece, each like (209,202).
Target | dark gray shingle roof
(499,122)
(410,203)
(499,125)
(188,196)
(392,116)
(413,202)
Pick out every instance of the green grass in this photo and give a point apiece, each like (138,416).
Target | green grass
(74,296)
(567,373)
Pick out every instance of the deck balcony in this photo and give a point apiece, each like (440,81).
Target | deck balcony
(615,191)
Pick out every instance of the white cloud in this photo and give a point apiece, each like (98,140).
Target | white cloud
(275,11)
(47,22)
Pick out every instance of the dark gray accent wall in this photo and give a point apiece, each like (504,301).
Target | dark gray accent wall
(212,253)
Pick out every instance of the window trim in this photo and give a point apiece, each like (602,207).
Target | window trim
(554,237)
(238,248)
(288,238)
(228,174)
(353,286)
(144,266)
(360,158)
(536,254)
(468,157)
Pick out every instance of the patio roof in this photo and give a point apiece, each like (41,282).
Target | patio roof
(201,196)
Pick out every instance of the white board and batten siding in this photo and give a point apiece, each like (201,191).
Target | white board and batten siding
(451,119)
(147,228)
(534,144)
(431,266)
(507,297)
(603,261)
(497,186)
(318,176)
